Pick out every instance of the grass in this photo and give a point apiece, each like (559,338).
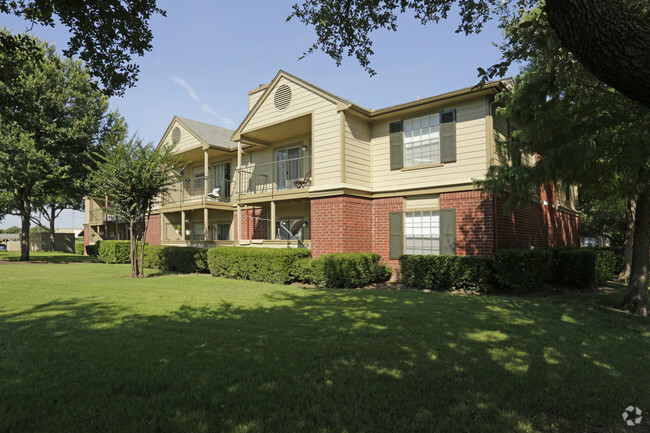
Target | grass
(83,349)
(46,257)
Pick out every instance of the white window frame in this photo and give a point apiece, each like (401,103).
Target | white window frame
(422,232)
(421,140)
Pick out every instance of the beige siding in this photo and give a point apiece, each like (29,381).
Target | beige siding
(500,134)
(326,128)
(253,98)
(471,153)
(187,141)
(357,152)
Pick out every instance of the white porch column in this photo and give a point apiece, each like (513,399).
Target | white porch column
(205,224)
(206,173)
(272,222)
(183,225)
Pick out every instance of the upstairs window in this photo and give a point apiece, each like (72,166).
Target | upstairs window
(422,140)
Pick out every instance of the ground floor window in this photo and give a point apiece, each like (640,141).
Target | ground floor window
(197,232)
(422,232)
(220,232)
(290,229)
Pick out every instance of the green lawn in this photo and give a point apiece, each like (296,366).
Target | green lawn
(83,349)
(47,257)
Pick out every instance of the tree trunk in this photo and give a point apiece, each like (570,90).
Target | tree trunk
(626,263)
(25,215)
(134,249)
(636,296)
(609,38)
(52,230)
(144,238)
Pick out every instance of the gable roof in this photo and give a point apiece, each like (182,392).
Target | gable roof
(211,135)
(344,104)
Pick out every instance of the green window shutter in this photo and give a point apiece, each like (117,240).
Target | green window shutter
(448,136)
(396,236)
(447,232)
(396,146)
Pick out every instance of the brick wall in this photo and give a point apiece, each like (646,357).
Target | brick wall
(154,230)
(474,221)
(254,224)
(341,224)
(539,225)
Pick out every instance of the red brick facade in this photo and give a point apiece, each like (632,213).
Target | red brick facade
(354,224)
(341,224)
(154,234)
(254,224)
(540,225)
(474,221)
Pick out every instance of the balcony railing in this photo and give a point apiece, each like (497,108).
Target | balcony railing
(97,215)
(192,190)
(275,176)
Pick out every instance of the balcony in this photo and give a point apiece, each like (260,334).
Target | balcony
(283,175)
(97,216)
(192,191)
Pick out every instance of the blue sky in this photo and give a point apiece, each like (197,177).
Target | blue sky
(208,55)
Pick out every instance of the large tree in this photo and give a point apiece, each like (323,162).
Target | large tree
(587,134)
(50,120)
(134,176)
(611,37)
(105,34)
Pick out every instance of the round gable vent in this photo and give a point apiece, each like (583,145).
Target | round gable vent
(176,135)
(282,97)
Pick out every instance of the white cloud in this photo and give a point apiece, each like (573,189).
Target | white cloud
(185,85)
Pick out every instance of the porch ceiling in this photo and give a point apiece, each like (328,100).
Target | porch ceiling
(196,154)
(279,131)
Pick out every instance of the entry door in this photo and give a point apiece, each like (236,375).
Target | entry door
(287,167)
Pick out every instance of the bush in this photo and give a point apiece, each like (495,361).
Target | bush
(347,270)
(79,248)
(522,270)
(114,251)
(91,250)
(271,265)
(585,268)
(302,270)
(185,260)
(472,273)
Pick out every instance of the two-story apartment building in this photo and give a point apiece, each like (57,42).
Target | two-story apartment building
(307,168)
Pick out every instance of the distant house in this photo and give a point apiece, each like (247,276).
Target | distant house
(307,168)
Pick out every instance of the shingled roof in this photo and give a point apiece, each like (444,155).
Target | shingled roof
(210,134)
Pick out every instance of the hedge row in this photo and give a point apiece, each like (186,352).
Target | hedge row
(114,251)
(79,248)
(271,265)
(343,270)
(185,260)
(470,273)
(511,270)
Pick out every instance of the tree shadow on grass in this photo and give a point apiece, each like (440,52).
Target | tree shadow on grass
(323,361)
(47,257)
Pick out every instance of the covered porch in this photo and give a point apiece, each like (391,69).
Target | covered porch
(199,227)
(275,223)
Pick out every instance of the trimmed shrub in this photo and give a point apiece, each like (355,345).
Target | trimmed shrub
(114,251)
(585,268)
(271,265)
(79,248)
(185,260)
(522,270)
(348,270)
(91,250)
(302,270)
(472,273)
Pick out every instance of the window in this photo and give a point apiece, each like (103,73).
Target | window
(220,178)
(422,140)
(283,229)
(422,232)
(197,232)
(197,178)
(220,232)
(287,167)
